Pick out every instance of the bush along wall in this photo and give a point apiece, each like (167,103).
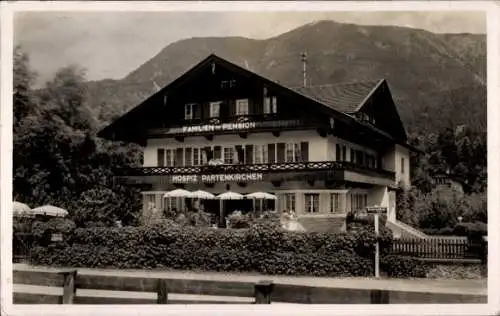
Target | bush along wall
(260,248)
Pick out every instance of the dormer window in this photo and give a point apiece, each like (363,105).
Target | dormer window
(188,111)
(215,109)
(242,107)
(270,105)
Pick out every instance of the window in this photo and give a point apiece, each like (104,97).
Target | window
(228,155)
(224,84)
(170,157)
(335,203)
(242,107)
(311,202)
(188,111)
(358,201)
(402,165)
(188,157)
(344,153)
(337,152)
(353,156)
(196,157)
(292,152)
(287,202)
(232,83)
(260,153)
(270,105)
(215,109)
(289,156)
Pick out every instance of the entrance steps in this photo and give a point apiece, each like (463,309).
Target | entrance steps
(402,230)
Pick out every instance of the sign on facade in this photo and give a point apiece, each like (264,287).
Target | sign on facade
(236,127)
(239,177)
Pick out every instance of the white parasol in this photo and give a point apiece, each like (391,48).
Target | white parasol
(230,196)
(178,193)
(49,210)
(261,196)
(20,209)
(200,194)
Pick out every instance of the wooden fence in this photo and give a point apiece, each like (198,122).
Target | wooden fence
(440,248)
(263,292)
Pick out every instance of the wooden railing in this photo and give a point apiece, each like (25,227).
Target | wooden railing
(440,248)
(263,292)
(249,168)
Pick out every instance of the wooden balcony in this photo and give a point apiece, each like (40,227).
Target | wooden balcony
(288,171)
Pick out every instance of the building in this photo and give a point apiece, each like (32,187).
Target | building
(322,150)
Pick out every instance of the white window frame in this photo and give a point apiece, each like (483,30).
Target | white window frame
(228,160)
(169,157)
(215,109)
(197,156)
(288,202)
(188,111)
(335,203)
(270,105)
(294,149)
(312,203)
(242,107)
(260,154)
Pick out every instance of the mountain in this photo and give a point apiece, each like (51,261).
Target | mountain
(436,79)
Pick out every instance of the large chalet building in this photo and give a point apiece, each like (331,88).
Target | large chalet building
(322,150)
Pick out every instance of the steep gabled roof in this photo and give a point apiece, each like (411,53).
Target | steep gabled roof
(337,100)
(344,97)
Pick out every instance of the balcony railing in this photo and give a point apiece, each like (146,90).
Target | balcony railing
(257,168)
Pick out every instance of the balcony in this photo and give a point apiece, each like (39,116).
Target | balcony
(289,171)
(233,125)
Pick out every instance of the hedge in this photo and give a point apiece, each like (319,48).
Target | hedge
(260,248)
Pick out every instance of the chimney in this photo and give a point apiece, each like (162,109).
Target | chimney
(303,56)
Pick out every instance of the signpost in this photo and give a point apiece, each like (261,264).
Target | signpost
(376,211)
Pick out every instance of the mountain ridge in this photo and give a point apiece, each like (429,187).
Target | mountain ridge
(417,64)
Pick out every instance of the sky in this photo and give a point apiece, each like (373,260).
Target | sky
(112,44)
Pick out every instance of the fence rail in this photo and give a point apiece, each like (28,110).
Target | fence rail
(263,292)
(439,248)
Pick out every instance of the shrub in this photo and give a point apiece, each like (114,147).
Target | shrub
(399,267)
(260,248)
(238,220)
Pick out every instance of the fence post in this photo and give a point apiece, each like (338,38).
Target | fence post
(69,289)
(379,296)
(162,292)
(263,291)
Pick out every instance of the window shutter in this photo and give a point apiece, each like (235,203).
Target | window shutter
(240,154)
(161,157)
(304,151)
(206,110)
(249,154)
(281,152)
(188,161)
(231,107)
(217,152)
(197,111)
(178,157)
(208,153)
(224,110)
(337,152)
(271,148)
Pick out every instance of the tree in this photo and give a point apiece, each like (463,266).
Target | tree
(23,102)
